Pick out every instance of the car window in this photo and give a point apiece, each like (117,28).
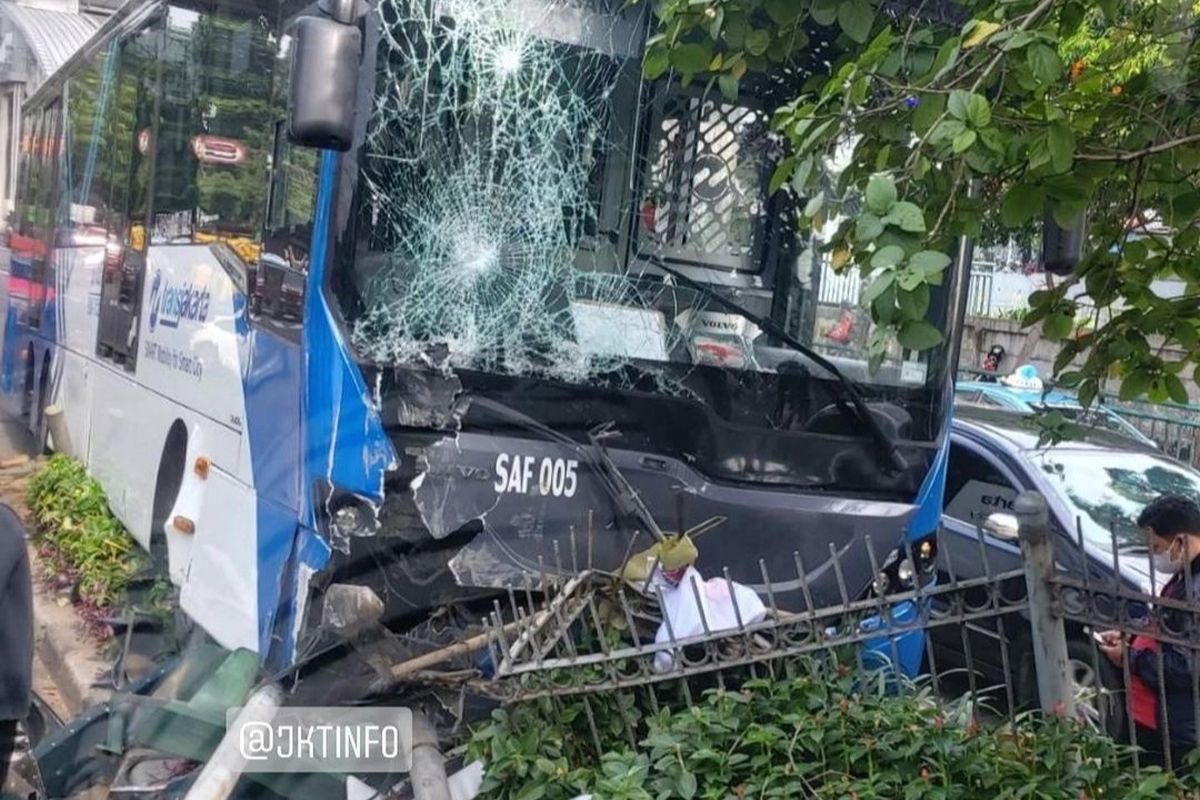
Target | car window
(976,487)
(1107,490)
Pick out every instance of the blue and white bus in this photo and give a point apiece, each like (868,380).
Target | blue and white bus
(537,308)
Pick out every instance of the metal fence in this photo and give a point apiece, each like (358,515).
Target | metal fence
(845,288)
(1178,436)
(1008,619)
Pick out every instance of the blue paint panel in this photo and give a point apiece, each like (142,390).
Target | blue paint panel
(272,381)
(344,442)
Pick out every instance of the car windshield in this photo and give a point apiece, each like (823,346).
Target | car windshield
(517,183)
(1108,489)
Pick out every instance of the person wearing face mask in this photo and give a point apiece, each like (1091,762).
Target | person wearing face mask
(1171,525)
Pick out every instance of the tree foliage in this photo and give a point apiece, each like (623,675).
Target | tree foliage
(996,111)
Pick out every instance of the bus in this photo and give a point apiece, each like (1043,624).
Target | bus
(524,311)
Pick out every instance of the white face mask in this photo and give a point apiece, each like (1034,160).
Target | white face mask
(1165,563)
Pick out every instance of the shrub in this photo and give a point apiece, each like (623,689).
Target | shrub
(77,534)
(816,735)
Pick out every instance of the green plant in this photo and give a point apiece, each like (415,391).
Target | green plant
(926,122)
(824,733)
(78,535)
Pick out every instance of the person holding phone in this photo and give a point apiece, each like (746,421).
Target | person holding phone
(16,635)
(1171,527)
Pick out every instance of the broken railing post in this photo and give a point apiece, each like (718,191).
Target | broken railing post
(428,773)
(223,769)
(1049,639)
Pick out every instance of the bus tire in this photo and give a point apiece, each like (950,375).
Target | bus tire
(167,483)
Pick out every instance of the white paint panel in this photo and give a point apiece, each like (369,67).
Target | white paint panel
(129,429)
(187,340)
(221,588)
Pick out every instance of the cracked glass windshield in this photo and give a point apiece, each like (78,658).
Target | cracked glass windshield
(519,185)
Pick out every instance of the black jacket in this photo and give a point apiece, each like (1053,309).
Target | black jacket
(1180,665)
(16,618)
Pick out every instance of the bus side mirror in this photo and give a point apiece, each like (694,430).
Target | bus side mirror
(325,59)
(1062,248)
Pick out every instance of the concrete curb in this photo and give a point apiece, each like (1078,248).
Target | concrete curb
(68,654)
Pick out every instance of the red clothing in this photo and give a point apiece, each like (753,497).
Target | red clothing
(1143,698)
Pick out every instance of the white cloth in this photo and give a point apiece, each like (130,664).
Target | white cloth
(715,607)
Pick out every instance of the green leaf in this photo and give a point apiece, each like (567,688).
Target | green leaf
(947,129)
(915,304)
(867,228)
(971,108)
(980,31)
(964,140)
(881,283)
(757,41)
(814,205)
(692,57)
(783,11)
(929,108)
(1046,65)
(1135,384)
(800,175)
(825,12)
(686,784)
(918,335)
(781,175)
(657,62)
(943,61)
(979,111)
(881,194)
(1021,203)
(884,305)
(729,87)
(1060,140)
(909,279)
(1087,392)
(1176,389)
(855,18)
(930,263)
(888,256)
(958,104)
(1058,326)
(907,217)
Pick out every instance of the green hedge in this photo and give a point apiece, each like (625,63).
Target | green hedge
(78,535)
(819,735)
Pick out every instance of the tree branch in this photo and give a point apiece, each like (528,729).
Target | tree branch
(1134,155)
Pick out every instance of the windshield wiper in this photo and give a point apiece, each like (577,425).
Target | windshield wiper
(886,444)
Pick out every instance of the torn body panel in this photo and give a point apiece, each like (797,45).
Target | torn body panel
(543,512)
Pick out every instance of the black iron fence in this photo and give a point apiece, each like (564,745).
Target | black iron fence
(1021,616)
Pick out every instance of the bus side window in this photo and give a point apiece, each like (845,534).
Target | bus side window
(281,275)
(127,167)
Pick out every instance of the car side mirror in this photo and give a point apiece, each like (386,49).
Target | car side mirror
(1002,526)
(1062,248)
(325,60)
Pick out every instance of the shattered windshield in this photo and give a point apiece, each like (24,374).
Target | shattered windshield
(518,183)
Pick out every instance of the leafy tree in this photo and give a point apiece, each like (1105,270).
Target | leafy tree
(997,110)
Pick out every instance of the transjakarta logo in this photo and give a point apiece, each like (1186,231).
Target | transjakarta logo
(170,303)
